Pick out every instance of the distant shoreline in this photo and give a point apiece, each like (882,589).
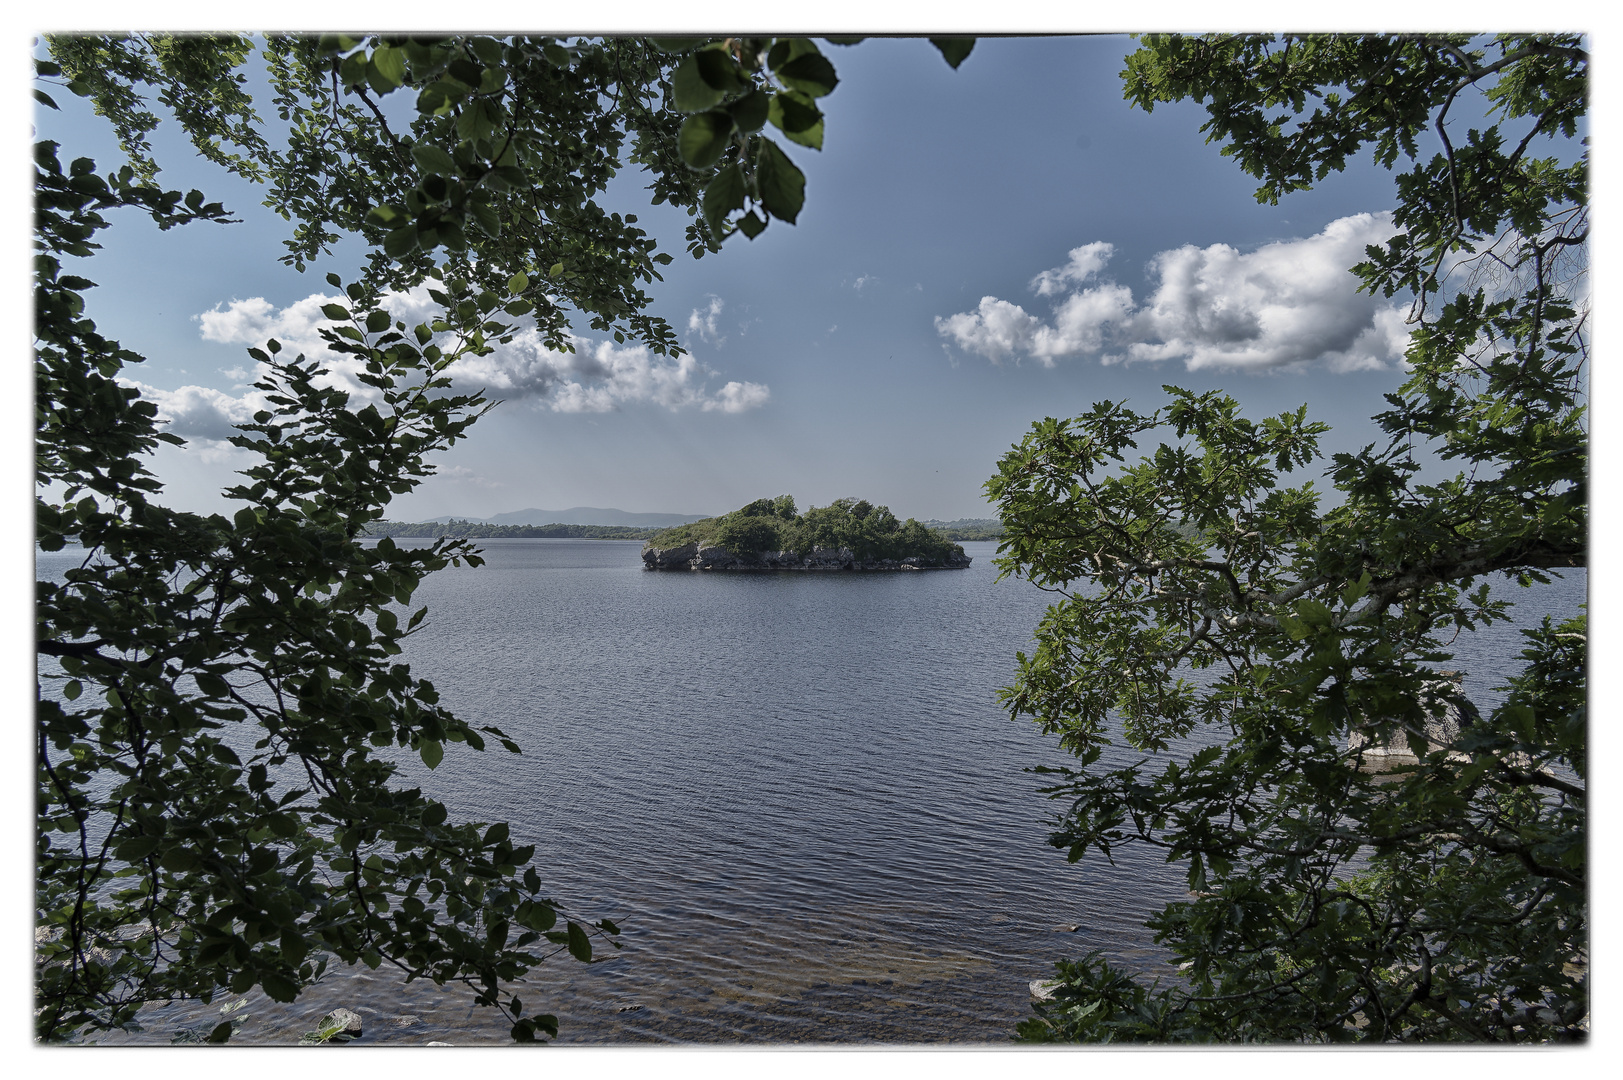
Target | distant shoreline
(475,530)
(481,530)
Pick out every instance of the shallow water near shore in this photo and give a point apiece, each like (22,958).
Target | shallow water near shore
(794,793)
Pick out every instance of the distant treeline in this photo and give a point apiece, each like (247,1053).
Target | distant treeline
(962,529)
(968,528)
(480,530)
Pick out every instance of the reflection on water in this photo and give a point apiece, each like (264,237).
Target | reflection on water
(795,794)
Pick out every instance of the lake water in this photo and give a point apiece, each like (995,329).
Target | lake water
(795,794)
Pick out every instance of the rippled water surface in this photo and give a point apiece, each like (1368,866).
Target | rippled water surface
(794,793)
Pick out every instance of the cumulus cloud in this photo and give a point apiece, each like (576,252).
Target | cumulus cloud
(737,397)
(598,376)
(703,323)
(298,328)
(1085,262)
(997,329)
(206,418)
(1216,307)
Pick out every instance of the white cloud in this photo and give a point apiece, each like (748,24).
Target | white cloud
(1287,302)
(704,324)
(863,282)
(997,330)
(599,376)
(464,475)
(596,377)
(738,397)
(204,417)
(1086,261)
(298,328)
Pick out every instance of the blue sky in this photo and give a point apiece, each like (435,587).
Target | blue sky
(979,249)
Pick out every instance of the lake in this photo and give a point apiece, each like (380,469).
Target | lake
(795,794)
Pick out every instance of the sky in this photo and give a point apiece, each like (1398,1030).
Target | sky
(980,248)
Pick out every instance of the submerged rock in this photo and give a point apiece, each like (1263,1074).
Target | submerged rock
(1043,989)
(1449,712)
(347,1023)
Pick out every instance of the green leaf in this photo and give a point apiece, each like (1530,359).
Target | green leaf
(506,178)
(704,138)
(486,218)
(798,117)
(135,848)
(45,99)
(432,159)
(180,860)
(781,185)
(1356,590)
(431,752)
(557,55)
(390,64)
(352,72)
(750,112)
(212,684)
(278,987)
(810,73)
(466,72)
(954,49)
(689,89)
(751,225)
(580,946)
(496,833)
(335,312)
(401,242)
(377,321)
(536,915)
(719,70)
(723,195)
(517,283)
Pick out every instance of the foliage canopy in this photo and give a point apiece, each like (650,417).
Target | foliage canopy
(1256,641)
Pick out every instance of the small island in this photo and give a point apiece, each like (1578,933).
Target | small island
(769,534)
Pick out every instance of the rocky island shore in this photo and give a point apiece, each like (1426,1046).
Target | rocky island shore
(769,535)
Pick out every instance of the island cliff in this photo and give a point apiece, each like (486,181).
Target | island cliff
(768,534)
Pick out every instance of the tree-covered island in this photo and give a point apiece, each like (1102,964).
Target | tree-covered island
(769,534)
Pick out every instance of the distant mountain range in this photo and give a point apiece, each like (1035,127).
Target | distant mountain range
(581,515)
